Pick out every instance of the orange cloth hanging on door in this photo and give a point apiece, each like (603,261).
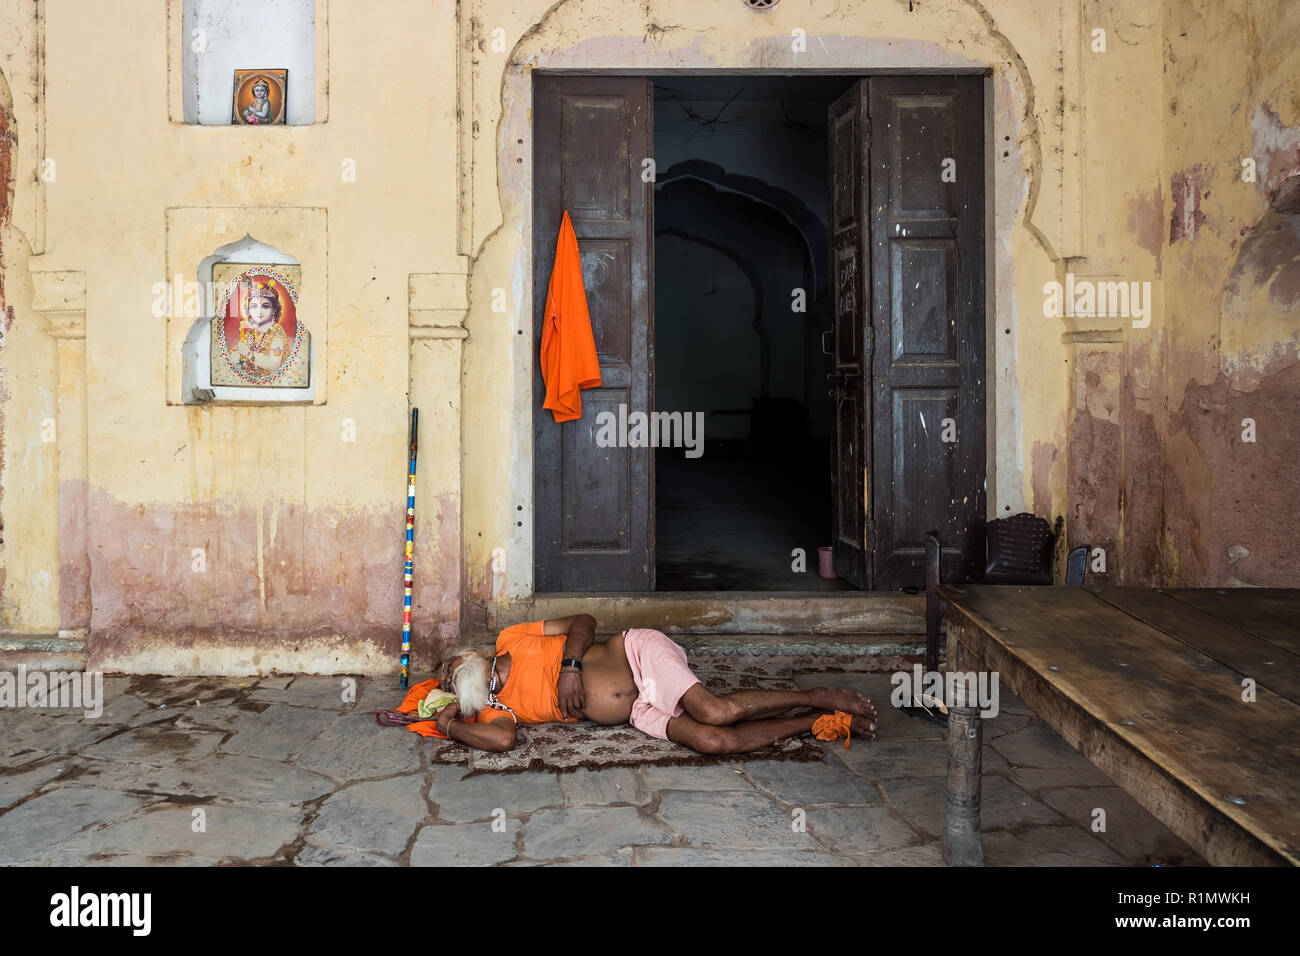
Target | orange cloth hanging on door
(568,347)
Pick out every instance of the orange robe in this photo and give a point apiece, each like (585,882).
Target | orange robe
(535,659)
(568,358)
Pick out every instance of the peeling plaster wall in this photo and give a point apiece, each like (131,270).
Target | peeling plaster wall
(1202,506)
(29,554)
(299,529)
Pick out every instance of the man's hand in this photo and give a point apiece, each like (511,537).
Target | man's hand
(445,717)
(573,701)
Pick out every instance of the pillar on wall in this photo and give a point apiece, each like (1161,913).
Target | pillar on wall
(437,304)
(1093,462)
(60,297)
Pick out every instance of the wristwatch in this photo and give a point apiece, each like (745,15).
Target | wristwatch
(571,662)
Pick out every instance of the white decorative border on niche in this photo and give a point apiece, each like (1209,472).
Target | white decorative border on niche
(196,353)
(293,234)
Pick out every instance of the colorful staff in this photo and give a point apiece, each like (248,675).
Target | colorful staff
(410,557)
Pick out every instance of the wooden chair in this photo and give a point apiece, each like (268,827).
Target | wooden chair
(1019,551)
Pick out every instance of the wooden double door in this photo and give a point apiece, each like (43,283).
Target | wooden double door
(906,375)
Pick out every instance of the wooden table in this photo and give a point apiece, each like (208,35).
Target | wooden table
(1148,685)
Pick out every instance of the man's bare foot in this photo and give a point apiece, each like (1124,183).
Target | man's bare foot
(863,728)
(835,698)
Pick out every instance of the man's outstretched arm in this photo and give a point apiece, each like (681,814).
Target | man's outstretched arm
(581,631)
(497,735)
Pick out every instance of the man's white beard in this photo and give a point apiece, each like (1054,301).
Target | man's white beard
(469,682)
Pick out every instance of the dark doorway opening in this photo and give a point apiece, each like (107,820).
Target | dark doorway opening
(816,249)
(741,204)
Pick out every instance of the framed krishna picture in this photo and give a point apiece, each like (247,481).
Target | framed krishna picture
(257,340)
(259,97)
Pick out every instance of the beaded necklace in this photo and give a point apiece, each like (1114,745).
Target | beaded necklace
(493,699)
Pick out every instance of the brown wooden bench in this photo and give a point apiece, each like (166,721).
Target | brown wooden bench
(1148,685)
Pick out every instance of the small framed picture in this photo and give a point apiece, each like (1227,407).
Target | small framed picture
(259,97)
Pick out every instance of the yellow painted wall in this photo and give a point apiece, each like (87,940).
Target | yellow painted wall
(300,530)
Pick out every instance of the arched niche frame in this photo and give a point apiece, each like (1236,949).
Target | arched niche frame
(233,276)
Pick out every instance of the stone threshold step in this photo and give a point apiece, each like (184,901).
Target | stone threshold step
(46,652)
(737,612)
(854,646)
(847,646)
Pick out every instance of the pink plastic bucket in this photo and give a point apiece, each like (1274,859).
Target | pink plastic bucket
(826,562)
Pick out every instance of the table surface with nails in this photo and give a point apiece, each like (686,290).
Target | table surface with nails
(1189,699)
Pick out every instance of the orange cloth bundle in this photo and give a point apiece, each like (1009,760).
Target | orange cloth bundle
(833,727)
(568,358)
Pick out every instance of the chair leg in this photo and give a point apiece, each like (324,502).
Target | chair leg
(934,606)
(1076,567)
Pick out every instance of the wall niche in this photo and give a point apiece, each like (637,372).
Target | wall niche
(251,346)
(234,49)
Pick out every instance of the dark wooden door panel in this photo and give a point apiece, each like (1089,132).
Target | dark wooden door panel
(927,367)
(850,370)
(594,506)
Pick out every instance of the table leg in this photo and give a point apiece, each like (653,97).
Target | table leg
(962,842)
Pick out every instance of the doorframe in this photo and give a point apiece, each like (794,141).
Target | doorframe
(991,238)
(1003,416)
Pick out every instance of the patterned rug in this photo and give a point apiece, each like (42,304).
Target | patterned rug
(567,747)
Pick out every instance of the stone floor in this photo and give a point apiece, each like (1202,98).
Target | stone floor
(279,770)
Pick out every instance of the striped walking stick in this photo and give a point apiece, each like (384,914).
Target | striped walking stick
(410,557)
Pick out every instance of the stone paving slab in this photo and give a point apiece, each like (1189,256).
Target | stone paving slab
(584,788)
(352,747)
(694,856)
(326,693)
(710,777)
(1130,829)
(187,835)
(177,691)
(31,734)
(1037,745)
(312,855)
(29,832)
(1056,841)
(379,816)
(621,857)
(807,784)
(858,831)
(229,778)
(585,831)
(1036,780)
(278,733)
(473,844)
(158,745)
(129,709)
(923,800)
(1004,848)
(927,854)
(462,799)
(30,778)
(750,821)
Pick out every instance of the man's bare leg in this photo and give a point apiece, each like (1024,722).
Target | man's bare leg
(748,705)
(750,735)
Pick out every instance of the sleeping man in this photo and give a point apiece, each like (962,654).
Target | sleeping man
(548,671)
